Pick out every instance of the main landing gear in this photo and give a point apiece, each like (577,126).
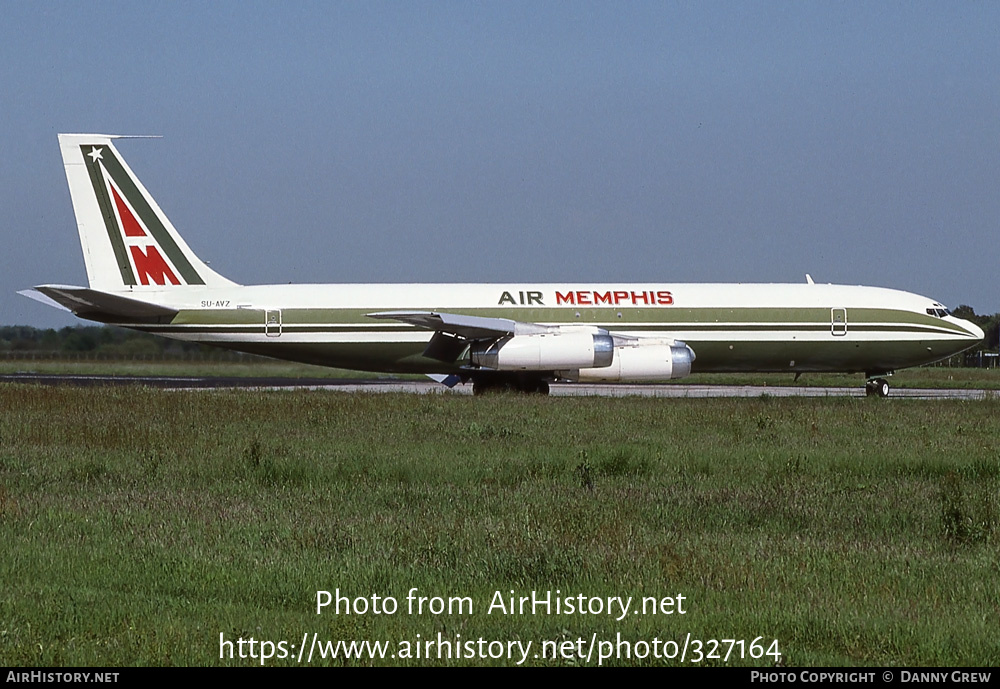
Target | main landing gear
(877,387)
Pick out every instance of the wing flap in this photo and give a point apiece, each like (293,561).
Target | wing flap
(469,327)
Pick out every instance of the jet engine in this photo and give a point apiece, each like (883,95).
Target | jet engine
(639,360)
(546,352)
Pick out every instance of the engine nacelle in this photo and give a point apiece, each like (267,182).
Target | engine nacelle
(546,352)
(643,361)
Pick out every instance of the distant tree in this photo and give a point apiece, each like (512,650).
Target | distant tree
(964,311)
(49,340)
(78,340)
(992,331)
(104,341)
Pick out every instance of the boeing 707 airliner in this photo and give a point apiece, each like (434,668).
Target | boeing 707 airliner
(143,275)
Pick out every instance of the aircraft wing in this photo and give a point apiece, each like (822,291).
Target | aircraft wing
(99,306)
(454,332)
(468,327)
(477,327)
(534,346)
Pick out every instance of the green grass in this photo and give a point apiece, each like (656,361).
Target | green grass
(255,367)
(138,525)
(923,377)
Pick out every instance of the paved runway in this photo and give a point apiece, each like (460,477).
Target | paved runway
(672,390)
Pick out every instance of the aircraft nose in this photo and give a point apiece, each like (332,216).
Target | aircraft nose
(975,332)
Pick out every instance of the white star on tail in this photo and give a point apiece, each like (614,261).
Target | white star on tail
(95,154)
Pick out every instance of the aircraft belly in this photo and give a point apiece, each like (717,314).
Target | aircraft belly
(391,357)
(833,356)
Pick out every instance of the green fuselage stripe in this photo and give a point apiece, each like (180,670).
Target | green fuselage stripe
(688,327)
(663,319)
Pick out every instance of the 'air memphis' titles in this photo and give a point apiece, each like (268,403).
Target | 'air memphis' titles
(547,603)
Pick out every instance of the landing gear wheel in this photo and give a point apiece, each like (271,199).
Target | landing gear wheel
(879,387)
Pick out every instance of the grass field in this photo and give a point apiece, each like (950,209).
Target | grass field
(254,367)
(139,525)
(923,377)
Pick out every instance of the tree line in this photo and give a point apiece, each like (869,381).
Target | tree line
(98,340)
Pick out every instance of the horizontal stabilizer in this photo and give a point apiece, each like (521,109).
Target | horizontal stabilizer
(100,306)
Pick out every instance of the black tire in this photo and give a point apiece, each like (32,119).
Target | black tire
(878,387)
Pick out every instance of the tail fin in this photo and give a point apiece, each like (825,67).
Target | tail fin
(128,242)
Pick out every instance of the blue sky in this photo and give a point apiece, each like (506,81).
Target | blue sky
(530,142)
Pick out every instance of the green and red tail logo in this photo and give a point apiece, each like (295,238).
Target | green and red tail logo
(145,250)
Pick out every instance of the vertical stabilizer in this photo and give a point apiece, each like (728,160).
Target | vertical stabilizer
(128,242)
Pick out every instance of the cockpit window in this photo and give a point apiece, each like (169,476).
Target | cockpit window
(940,313)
